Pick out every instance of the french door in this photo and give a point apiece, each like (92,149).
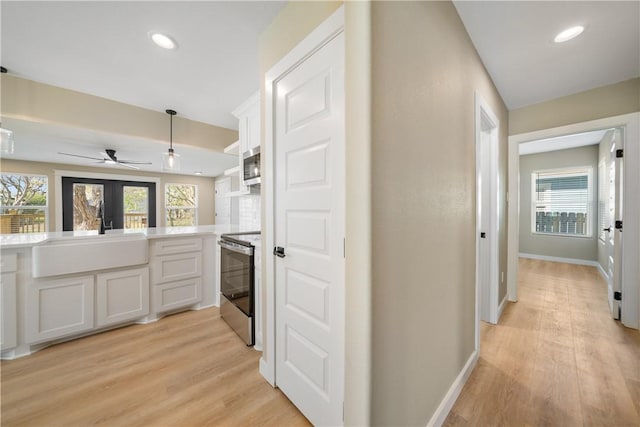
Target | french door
(127,204)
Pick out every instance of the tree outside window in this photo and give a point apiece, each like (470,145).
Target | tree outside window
(181,203)
(23,203)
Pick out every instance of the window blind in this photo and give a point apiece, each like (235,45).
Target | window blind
(561,202)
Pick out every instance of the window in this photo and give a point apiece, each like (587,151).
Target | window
(181,203)
(561,202)
(126,204)
(23,206)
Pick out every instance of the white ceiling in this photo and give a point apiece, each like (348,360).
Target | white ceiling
(103,49)
(515,41)
(562,142)
(41,142)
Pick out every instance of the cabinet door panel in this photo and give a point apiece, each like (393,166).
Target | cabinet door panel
(122,296)
(169,268)
(8,306)
(56,308)
(180,294)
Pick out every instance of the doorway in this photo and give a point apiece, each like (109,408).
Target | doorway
(629,129)
(127,204)
(305,278)
(487,213)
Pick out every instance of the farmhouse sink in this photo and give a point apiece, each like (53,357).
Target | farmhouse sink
(76,255)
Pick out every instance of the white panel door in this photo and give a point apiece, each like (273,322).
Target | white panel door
(223,201)
(309,147)
(484,209)
(614,238)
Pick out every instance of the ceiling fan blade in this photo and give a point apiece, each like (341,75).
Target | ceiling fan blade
(127,166)
(133,162)
(77,155)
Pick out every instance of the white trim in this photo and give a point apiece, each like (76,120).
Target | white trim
(324,33)
(560,259)
(603,273)
(440,415)
(58,174)
(502,306)
(631,210)
(267,372)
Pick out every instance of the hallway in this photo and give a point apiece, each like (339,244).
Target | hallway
(555,358)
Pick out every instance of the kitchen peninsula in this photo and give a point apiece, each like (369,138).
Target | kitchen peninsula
(63,285)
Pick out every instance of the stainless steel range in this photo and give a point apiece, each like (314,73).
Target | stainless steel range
(237,283)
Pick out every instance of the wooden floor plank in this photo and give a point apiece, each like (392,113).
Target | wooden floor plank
(189,369)
(556,358)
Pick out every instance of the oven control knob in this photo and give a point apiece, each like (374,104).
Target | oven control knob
(279,251)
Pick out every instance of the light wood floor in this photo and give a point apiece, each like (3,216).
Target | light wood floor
(189,369)
(556,358)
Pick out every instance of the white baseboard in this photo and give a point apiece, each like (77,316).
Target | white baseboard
(501,307)
(558,259)
(440,415)
(603,273)
(266,372)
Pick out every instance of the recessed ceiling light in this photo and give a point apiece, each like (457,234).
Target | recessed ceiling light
(163,41)
(569,34)
(198,172)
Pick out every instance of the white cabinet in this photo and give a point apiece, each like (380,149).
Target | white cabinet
(248,115)
(56,308)
(226,207)
(169,296)
(122,296)
(176,273)
(8,331)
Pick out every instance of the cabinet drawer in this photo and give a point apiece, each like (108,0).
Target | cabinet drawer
(56,308)
(176,246)
(122,296)
(175,295)
(8,263)
(169,268)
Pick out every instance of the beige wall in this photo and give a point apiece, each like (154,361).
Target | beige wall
(206,207)
(584,248)
(40,103)
(425,72)
(606,101)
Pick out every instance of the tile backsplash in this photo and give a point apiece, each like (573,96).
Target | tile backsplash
(249,212)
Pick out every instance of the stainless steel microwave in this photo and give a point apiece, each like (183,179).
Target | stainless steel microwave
(251,167)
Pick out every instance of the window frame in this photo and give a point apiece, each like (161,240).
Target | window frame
(577,170)
(195,208)
(45,207)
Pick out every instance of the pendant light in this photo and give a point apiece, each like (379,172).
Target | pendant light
(171,160)
(6,142)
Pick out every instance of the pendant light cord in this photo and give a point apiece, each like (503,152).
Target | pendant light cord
(171,113)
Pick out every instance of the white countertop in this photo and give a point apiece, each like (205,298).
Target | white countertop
(31,239)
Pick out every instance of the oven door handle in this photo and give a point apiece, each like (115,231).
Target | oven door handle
(236,248)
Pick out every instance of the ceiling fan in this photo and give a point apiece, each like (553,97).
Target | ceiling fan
(109,156)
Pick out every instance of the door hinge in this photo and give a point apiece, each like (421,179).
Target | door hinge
(618,225)
(619,153)
(617,296)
